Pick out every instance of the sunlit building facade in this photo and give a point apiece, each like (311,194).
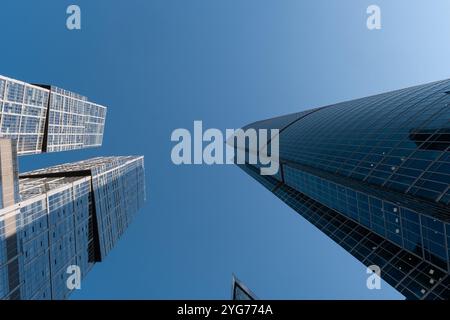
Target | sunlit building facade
(373,174)
(67,215)
(42,118)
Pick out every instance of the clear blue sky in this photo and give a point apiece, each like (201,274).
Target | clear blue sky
(161,64)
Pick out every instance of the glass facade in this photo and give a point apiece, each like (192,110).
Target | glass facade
(43,118)
(240,292)
(74,122)
(23,112)
(68,215)
(374,175)
(118,188)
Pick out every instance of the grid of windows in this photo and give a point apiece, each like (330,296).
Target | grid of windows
(55,223)
(241,292)
(118,188)
(52,233)
(23,110)
(27,111)
(398,140)
(374,175)
(119,193)
(74,122)
(414,278)
(4,258)
(411,230)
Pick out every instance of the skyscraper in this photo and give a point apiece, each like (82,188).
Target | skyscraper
(66,216)
(240,292)
(373,174)
(43,118)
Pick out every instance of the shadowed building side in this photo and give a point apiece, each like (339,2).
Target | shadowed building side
(240,292)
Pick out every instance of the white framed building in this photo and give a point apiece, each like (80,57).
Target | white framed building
(44,118)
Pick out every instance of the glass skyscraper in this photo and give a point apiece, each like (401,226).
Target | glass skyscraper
(42,118)
(63,216)
(240,292)
(373,174)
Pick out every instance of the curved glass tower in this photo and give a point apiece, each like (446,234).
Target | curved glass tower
(374,174)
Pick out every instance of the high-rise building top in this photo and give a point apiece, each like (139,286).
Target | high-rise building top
(42,118)
(240,292)
(374,174)
(67,215)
